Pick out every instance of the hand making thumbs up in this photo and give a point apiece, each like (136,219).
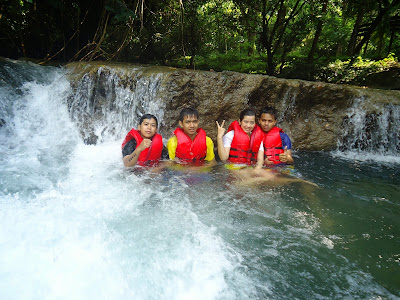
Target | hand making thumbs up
(286,156)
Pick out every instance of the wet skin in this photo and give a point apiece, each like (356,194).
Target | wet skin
(248,123)
(190,124)
(148,128)
(267,122)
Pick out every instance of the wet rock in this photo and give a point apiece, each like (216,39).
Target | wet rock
(313,114)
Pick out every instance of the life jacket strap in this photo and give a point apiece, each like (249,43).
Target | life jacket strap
(246,151)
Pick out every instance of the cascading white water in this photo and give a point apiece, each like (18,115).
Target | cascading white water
(110,111)
(371,136)
(74,224)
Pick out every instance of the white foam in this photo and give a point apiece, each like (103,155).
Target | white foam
(365,156)
(75,224)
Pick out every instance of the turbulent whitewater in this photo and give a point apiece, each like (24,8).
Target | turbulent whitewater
(75,224)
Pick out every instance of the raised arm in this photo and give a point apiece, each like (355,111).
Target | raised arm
(131,159)
(223,152)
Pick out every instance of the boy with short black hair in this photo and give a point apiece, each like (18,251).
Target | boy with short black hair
(190,143)
(143,146)
(276,147)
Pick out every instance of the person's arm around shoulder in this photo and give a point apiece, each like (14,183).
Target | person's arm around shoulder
(223,152)
(131,159)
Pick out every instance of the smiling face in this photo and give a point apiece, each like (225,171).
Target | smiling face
(267,122)
(190,125)
(148,128)
(248,123)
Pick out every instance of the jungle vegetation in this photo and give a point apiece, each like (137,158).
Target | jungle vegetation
(327,40)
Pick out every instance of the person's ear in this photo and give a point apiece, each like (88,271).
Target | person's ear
(181,124)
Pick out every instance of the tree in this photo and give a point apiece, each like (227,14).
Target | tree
(318,31)
(384,8)
(277,16)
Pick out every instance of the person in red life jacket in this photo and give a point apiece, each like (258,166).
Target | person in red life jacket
(241,143)
(276,147)
(190,145)
(143,146)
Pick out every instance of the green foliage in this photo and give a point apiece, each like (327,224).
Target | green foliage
(230,61)
(121,13)
(287,38)
(340,72)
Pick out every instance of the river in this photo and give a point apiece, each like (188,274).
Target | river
(75,224)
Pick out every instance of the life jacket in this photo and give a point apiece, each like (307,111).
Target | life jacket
(191,151)
(273,145)
(150,155)
(244,150)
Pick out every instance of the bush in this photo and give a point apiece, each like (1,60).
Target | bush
(340,72)
(231,61)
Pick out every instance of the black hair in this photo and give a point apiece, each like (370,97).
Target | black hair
(146,117)
(247,112)
(269,110)
(188,111)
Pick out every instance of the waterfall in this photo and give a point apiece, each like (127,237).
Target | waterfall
(106,105)
(107,101)
(372,134)
(76,224)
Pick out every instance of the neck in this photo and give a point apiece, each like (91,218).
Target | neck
(192,136)
(150,138)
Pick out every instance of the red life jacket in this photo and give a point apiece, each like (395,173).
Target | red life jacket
(273,145)
(244,149)
(150,155)
(188,150)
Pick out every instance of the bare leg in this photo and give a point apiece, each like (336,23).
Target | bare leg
(253,177)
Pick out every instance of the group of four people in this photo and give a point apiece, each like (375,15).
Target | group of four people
(245,143)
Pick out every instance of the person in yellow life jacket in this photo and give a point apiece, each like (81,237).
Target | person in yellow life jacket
(241,143)
(143,146)
(190,145)
(276,147)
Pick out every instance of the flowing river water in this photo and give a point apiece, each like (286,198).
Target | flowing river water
(75,224)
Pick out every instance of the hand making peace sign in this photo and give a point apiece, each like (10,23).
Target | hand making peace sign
(221,129)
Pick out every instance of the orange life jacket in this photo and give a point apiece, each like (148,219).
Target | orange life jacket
(273,145)
(150,155)
(191,151)
(244,149)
